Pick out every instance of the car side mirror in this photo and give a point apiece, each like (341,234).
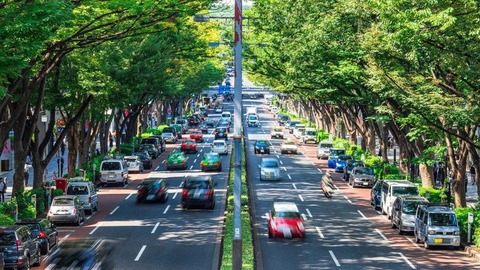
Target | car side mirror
(259,166)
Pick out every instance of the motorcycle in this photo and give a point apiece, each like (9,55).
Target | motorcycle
(327,185)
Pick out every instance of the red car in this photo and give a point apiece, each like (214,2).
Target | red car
(196,135)
(284,220)
(189,146)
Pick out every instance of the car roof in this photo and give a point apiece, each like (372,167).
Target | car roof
(198,178)
(285,207)
(412,198)
(269,159)
(222,141)
(65,197)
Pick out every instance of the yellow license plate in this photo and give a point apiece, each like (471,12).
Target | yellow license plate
(267,175)
(438,240)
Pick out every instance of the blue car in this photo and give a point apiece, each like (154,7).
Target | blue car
(341,162)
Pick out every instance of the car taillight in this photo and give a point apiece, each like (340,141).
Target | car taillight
(209,193)
(217,163)
(184,193)
(74,211)
(145,160)
(18,243)
(41,235)
(184,162)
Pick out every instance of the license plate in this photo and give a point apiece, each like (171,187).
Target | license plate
(210,163)
(365,183)
(267,175)
(262,151)
(150,197)
(438,240)
(111,175)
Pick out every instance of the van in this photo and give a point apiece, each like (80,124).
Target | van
(299,131)
(310,136)
(437,225)
(227,116)
(114,172)
(403,212)
(86,192)
(391,189)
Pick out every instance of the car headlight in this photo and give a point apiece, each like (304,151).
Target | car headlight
(301,227)
(456,233)
(431,232)
(256,147)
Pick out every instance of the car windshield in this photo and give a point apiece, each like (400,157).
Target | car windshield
(337,151)
(262,143)
(149,141)
(287,214)
(188,142)
(221,130)
(110,166)
(311,133)
(130,160)
(411,207)
(269,164)
(443,219)
(211,156)
(7,238)
(198,185)
(364,171)
(342,157)
(218,144)
(277,129)
(77,190)
(62,202)
(167,135)
(326,145)
(252,117)
(399,191)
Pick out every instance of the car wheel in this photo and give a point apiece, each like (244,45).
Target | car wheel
(417,240)
(77,223)
(400,231)
(425,244)
(393,224)
(270,234)
(45,250)
(27,263)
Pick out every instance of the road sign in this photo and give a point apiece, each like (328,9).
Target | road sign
(224,88)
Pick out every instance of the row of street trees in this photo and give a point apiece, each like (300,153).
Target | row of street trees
(406,69)
(95,62)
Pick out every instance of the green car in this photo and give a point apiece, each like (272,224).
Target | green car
(211,161)
(176,160)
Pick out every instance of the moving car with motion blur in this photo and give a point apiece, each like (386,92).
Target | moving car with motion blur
(66,209)
(198,191)
(176,160)
(44,230)
(221,133)
(288,147)
(189,146)
(284,220)
(269,169)
(152,190)
(262,147)
(211,161)
(197,135)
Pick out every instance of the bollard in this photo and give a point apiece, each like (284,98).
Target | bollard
(470,221)
(16,212)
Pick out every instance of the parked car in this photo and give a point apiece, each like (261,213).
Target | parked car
(376,195)
(198,192)
(151,149)
(288,147)
(163,145)
(221,133)
(269,169)
(179,129)
(362,176)
(220,147)
(349,167)
(152,190)
(277,132)
(172,130)
(196,135)
(21,246)
(391,189)
(282,119)
(134,164)
(169,137)
(114,172)
(262,147)
(145,158)
(44,230)
(189,146)
(87,254)
(437,225)
(176,160)
(403,212)
(284,220)
(211,161)
(86,192)
(338,162)
(157,141)
(66,209)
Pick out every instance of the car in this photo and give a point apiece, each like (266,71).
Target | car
(193,121)
(189,146)
(332,159)
(176,160)
(362,176)
(210,123)
(288,147)
(86,192)
(86,254)
(172,130)
(224,124)
(376,195)
(114,171)
(262,147)
(252,121)
(169,137)
(269,169)
(277,132)
(157,141)
(211,161)
(310,135)
(152,190)
(403,212)
(179,129)
(349,167)
(134,164)
(21,245)
(282,119)
(196,135)
(145,158)
(220,147)
(66,209)
(198,191)
(151,149)
(218,110)
(44,230)
(291,125)
(221,133)
(203,127)
(341,162)
(323,149)
(284,220)
(299,131)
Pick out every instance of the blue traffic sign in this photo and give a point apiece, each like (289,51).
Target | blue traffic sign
(223,88)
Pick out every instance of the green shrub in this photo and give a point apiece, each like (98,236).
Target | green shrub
(395,177)
(41,199)
(435,194)
(322,135)
(6,219)
(462,216)
(27,213)
(57,192)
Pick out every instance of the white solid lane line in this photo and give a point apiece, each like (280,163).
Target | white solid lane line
(140,253)
(334,258)
(293,184)
(289,177)
(319,232)
(129,195)
(407,261)
(361,214)
(166,209)
(91,232)
(309,213)
(155,227)
(113,211)
(381,234)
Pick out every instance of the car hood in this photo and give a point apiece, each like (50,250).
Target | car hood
(287,222)
(271,170)
(364,176)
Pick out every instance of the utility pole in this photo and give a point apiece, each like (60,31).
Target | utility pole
(237,142)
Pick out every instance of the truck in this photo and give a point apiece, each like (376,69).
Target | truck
(251,110)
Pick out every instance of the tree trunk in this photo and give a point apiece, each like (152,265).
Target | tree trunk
(426,175)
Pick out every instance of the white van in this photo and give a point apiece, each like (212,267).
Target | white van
(114,172)
(310,136)
(323,149)
(227,116)
(86,192)
(391,189)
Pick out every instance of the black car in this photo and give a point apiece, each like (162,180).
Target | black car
(22,247)
(203,127)
(145,158)
(89,254)
(210,123)
(153,190)
(376,194)
(349,167)
(198,192)
(262,147)
(45,231)
(172,130)
(158,141)
(151,149)
(221,133)
(282,119)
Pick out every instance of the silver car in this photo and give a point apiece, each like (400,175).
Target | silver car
(361,176)
(169,137)
(269,169)
(66,209)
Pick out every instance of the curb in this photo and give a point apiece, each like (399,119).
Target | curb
(472,252)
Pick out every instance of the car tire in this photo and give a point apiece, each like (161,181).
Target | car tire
(425,244)
(393,224)
(77,222)
(27,263)
(270,234)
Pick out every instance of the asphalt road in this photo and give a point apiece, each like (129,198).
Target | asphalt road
(157,235)
(342,232)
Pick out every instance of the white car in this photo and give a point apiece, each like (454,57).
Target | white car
(288,147)
(134,164)
(220,147)
(269,169)
(299,131)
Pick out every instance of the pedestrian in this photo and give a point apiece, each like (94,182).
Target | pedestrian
(26,174)
(3,188)
(472,174)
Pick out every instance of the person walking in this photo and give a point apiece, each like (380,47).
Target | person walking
(3,189)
